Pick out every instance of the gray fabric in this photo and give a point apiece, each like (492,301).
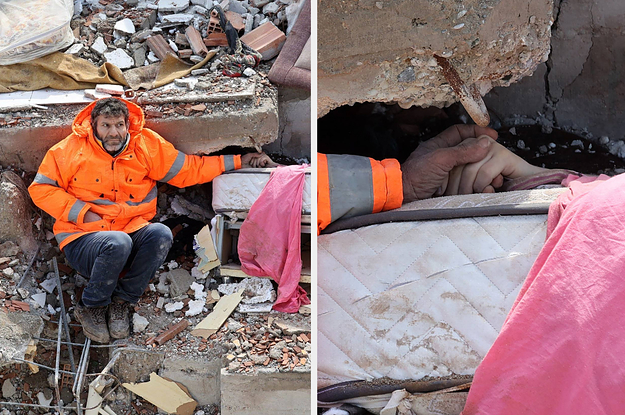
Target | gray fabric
(150,197)
(72,216)
(175,168)
(41,179)
(229,163)
(63,236)
(351,185)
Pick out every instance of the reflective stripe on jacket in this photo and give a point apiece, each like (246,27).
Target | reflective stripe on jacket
(77,175)
(354,185)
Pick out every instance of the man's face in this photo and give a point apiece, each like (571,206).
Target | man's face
(111,130)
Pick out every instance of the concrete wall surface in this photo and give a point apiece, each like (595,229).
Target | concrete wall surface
(279,393)
(294,112)
(582,84)
(374,51)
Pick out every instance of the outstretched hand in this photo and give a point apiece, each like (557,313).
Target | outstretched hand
(426,171)
(256,160)
(489,173)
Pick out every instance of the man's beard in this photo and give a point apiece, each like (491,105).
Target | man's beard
(110,148)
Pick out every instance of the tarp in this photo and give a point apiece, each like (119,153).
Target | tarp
(561,348)
(270,236)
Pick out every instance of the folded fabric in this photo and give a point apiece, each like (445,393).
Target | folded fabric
(270,237)
(560,349)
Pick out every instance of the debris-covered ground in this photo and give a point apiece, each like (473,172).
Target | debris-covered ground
(246,343)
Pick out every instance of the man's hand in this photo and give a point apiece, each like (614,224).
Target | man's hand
(91,217)
(256,160)
(488,174)
(426,172)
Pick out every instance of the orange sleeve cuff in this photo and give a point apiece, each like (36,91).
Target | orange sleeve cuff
(237,162)
(324,214)
(387,185)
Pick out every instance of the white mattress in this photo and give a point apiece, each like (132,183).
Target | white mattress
(235,192)
(410,300)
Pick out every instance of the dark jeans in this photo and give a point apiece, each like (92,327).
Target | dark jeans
(101,257)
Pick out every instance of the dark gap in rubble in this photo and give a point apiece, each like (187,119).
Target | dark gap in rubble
(387,131)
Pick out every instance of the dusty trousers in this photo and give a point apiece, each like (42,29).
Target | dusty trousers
(102,256)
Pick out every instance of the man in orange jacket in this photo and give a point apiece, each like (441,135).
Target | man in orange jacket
(99,184)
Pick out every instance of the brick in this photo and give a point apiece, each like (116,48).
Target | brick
(198,107)
(153,114)
(171,332)
(236,20)
(213,23)
(181,39)
(195,41)
(216,39)
(159,46)
(266,39)
(185,53)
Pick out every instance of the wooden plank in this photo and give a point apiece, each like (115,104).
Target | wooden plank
(206,250)
(165,394)
(221,312)
(234,270)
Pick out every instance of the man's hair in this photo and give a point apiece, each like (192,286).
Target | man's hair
(109,107)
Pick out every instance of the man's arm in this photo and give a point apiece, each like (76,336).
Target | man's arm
(48,194)
(354,185)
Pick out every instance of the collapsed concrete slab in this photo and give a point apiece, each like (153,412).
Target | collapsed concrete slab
(265,393)
(204,133)
(16,331)
(15,213)
(199,376)
(384,52)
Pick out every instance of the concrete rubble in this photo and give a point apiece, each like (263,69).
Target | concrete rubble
(253,344)
(490,43)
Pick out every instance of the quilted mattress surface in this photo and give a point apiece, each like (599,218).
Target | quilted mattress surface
(237,191)
(409,300)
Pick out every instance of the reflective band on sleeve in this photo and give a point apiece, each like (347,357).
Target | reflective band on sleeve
(351,185)
(63,236)
(150,197)
(41,179)
(175,168)
(228,162)
(75,210)
(102,202)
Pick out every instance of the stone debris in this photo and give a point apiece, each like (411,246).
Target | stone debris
(8,390)
(139,323)
(255,290)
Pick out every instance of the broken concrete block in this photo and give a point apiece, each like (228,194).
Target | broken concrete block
(49,285)
(8,390)
(39,299)
(109,89)
(124,27)
(91,93)
(8,249)
(139,323)
(75,48)
(259,3)
(181,18)
(99,46)
(271,8)
(266,39)
(135,365)
(16,332)
(160,302)
(249,72)
(199,72)
(15,222)
(165,394)
(119,58)
(179,281)
(172,5)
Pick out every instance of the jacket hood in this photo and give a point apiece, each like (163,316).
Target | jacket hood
(82,123)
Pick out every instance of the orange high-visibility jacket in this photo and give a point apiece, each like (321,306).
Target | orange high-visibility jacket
(354,185)
(78,175)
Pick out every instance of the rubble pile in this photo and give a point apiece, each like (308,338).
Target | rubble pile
(131,34)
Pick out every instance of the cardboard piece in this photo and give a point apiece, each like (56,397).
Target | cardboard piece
(206,250)
(164,393)
(214,320)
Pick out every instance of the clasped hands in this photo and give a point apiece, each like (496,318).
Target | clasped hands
(462,159)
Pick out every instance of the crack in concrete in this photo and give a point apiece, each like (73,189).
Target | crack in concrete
(551,102)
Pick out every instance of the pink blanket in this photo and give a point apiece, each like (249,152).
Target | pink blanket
(562,347)
(270,237)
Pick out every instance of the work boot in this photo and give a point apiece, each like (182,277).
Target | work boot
(93,321)
(119,318)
